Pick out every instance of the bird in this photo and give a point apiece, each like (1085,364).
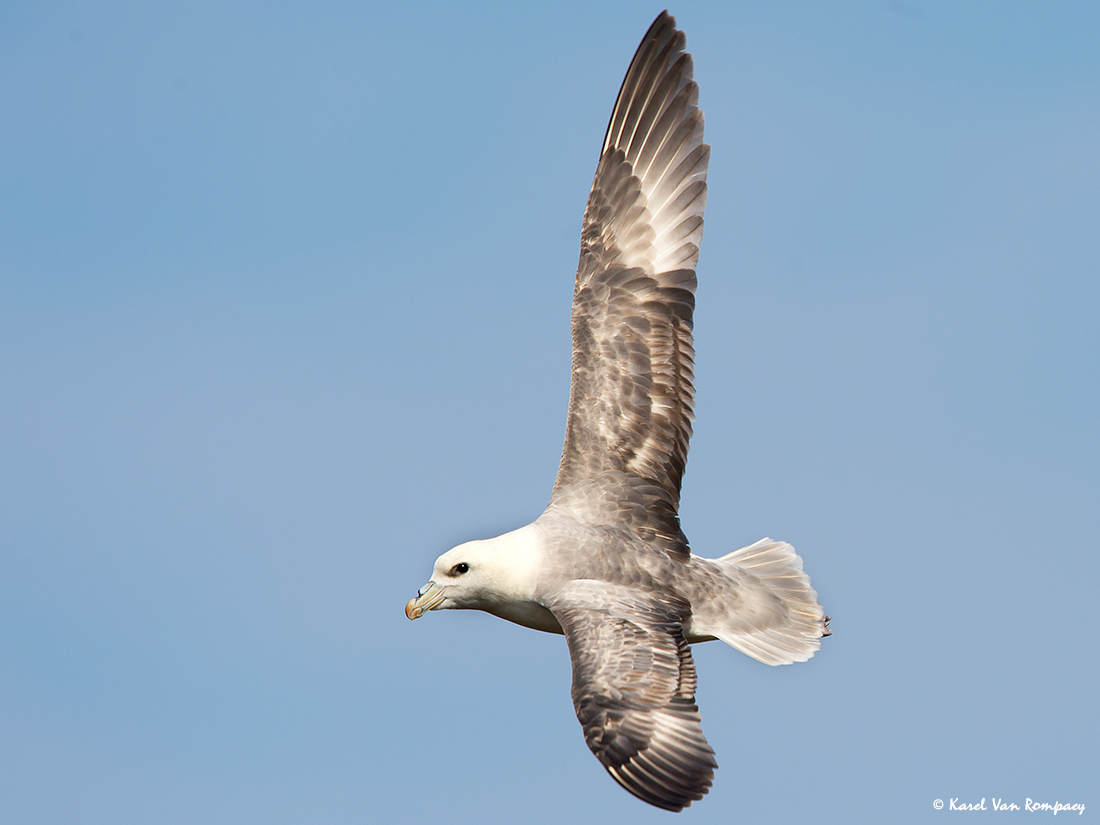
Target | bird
(607,564)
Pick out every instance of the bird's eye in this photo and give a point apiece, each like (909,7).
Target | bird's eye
(460,568)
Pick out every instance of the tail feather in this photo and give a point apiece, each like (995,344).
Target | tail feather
(772,613)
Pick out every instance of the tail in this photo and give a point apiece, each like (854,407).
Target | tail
(771,611)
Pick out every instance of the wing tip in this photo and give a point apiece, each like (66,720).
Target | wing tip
(676,767)
(643,790)
(662,42)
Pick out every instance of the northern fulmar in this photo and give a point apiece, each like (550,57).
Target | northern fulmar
(607,564)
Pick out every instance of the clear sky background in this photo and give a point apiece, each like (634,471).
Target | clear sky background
(284,314)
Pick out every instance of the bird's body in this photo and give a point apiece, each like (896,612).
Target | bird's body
(607,564)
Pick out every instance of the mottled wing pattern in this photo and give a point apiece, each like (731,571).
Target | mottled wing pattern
(634,690)
(631,397)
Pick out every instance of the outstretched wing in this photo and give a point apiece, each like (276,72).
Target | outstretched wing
(634,690)
(630,403)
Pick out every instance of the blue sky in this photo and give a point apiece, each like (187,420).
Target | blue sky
(284,301)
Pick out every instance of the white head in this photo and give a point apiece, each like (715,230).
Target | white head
(481,575)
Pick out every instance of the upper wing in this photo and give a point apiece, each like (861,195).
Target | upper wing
(634,690)
(630,403)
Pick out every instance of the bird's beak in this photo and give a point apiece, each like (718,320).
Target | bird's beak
(429,597)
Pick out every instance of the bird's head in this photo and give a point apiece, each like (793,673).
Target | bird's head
(479,575)
(458,580)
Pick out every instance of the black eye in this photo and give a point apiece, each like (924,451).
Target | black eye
(460,568)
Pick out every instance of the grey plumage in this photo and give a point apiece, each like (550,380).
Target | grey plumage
(634,689)
(607,563)
(630,403)
(630,414)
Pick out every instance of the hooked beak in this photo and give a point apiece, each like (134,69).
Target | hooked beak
(429,597)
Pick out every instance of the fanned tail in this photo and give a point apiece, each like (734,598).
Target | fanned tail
(775,616)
